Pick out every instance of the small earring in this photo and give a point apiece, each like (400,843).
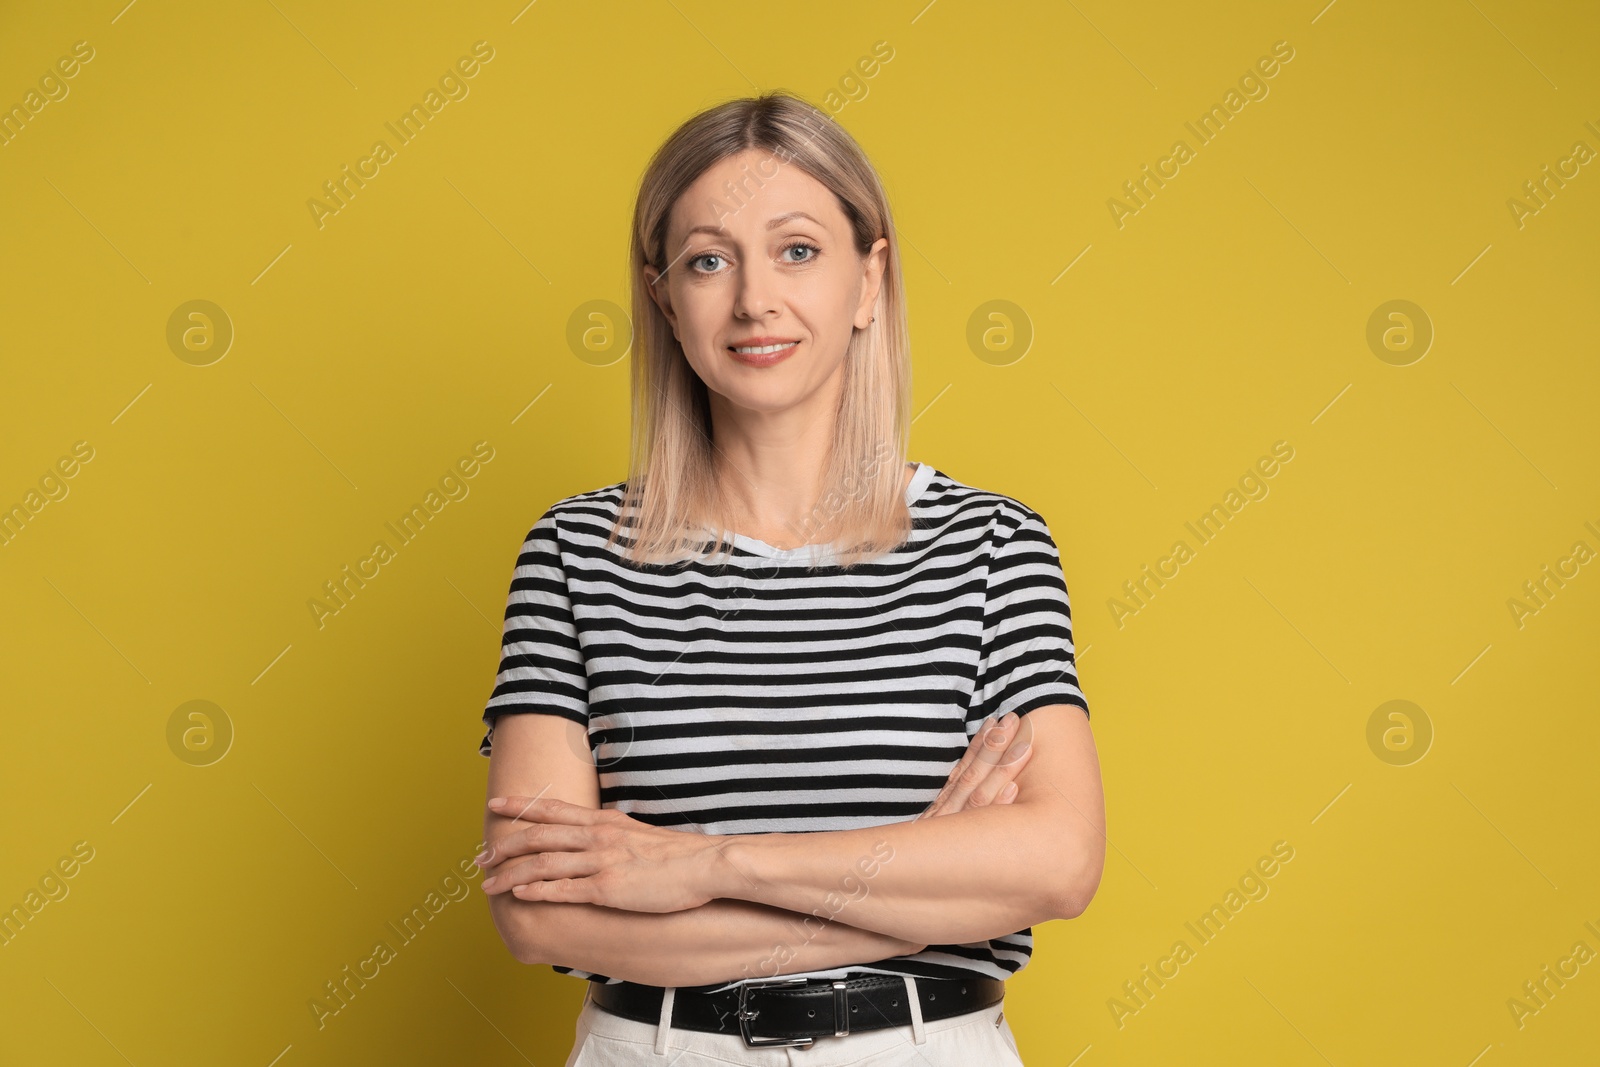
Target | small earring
(872,320)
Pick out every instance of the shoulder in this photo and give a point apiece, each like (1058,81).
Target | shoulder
(949,500)
(581,509)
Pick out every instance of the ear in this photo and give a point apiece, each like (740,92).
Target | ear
(655,283)
(876,259)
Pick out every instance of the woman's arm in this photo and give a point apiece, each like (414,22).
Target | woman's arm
(714,943)
(543,755)
(973,875)
(976,874)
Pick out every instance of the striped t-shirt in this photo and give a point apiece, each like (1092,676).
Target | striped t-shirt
(750,695)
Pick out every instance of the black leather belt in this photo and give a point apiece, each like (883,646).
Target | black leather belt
(796,1011)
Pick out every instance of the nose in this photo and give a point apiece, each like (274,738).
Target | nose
(757,291)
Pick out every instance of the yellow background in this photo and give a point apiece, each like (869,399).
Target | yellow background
(1229,313)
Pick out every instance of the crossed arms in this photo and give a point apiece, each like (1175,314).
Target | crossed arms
(784,903)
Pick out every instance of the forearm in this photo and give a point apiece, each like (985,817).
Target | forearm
(963,877)
(717,942)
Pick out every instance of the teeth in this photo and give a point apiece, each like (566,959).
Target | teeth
(764,350)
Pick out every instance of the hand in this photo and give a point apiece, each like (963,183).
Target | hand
(601,856)
(988,770)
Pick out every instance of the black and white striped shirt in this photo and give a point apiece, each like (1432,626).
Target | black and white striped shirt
(749,695)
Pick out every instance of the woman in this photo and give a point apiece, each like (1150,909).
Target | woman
(809,755)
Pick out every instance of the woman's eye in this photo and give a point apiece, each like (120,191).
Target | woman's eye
(697,264)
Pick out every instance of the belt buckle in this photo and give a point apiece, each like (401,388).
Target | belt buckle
(746,1014)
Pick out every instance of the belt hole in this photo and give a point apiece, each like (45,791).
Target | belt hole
(811,1012)
(894,1003)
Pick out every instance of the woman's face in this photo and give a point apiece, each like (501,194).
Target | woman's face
(773,264)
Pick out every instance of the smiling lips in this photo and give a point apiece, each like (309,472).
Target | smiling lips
(763,351)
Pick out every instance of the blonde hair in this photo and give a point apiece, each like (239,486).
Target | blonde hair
(672,492)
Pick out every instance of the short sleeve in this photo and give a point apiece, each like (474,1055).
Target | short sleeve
(1026,660)
(541,661)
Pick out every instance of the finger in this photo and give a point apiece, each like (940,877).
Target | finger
(539,837)
(547,809)
(545,867)
(1020,739)
(987,732)
(1007,766)
(1003,775)
(569,890)
(964,782)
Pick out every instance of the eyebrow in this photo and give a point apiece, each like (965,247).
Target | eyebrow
(776,221)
